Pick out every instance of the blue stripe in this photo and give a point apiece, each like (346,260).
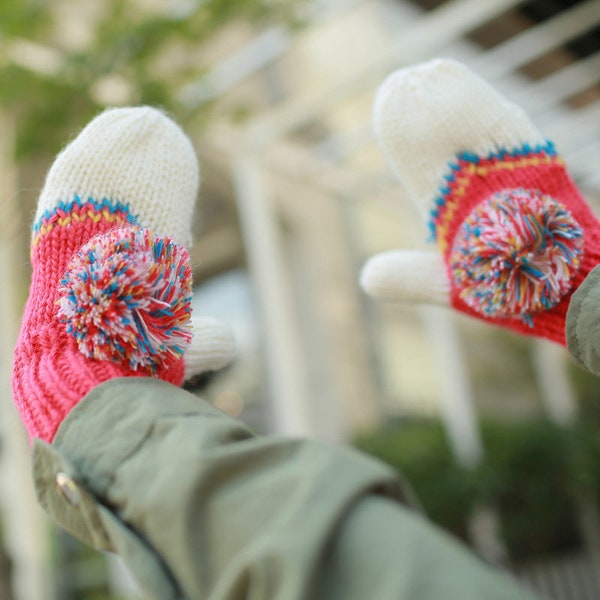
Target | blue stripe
(96,205)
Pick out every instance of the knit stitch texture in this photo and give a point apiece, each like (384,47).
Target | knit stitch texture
(458,147)
(128,167)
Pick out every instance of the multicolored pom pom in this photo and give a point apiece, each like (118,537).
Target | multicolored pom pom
(126,298)
(516,254)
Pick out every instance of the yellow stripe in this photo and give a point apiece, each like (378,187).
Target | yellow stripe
(472,169)
(105,215)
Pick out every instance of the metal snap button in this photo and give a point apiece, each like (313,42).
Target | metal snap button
(68,488)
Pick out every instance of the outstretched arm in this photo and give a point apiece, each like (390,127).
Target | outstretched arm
(199,507)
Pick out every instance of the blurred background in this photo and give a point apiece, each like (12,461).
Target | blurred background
(497,434)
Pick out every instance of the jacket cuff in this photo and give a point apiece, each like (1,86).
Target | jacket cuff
(583,323)
(190,498)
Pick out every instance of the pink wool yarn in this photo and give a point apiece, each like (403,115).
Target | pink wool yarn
(50,373)
(519,280)
(515,238)
(126,298)
(128,170)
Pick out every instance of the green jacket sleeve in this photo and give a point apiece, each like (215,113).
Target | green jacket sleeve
(199,507)
(583,323)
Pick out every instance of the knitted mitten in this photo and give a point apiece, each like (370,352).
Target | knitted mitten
(110,294)
(514,236)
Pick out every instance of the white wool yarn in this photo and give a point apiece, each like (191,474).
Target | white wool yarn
(424,115)
(137,156)
(212,348)
(415,276)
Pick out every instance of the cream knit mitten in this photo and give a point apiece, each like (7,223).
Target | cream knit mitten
(514,236)
(111,285)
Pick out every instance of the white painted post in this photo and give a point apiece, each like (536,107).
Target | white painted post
(552,378)
(25,525)
(560,404)
(281,339)
(456,396)
(459,416)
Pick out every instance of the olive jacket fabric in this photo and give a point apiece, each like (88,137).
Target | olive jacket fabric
(583,323)
(198,506)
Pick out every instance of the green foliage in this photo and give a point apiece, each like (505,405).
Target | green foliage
(126,43)
(46,113)
(530,474)
(19,15)
(420,452)
(587,390)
